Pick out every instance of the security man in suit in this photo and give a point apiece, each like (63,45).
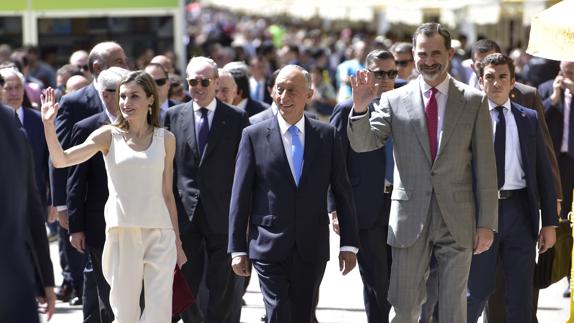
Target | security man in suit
(74,107)
(525,186)
(207,133)
(278,214)
(368,173)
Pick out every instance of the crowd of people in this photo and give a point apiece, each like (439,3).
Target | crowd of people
(434,164)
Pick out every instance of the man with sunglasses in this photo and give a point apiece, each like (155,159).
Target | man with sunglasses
(160,76)
(372,200)
(403,53)
(207,134)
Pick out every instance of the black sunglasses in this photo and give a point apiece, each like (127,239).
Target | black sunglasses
(390,74)
(161,82)
(195,82)
(404,62)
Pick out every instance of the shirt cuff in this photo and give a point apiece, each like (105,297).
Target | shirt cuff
(350,249)
(237,254)
(60,208)
(356,116)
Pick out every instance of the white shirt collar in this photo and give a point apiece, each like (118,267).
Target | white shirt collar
(242,104)
(492,105)
(210,107)
(442,87)
(164,106)
(20,112)
(284,126)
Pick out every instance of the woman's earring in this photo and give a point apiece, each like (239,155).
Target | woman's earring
(149,110)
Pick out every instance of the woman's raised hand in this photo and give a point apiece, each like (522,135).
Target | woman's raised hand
(49,106)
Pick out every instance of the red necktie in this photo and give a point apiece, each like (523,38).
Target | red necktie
(431,111)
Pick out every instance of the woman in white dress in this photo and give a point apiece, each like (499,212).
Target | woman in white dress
(142,236)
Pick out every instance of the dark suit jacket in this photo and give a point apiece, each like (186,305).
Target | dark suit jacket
(536,167)
(73,108)
(269,215)
(554,114)
(87,187)
(366,172)
(21,226)
(208,177)
(35,133)
(253,107)
(528,97)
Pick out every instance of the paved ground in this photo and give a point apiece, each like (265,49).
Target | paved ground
(340,301)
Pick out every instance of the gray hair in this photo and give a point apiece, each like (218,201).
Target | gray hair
(239,66)
(306,74)
(111,77)
(7,71)
(203,59)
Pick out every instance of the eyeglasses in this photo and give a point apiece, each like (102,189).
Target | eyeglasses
(403,63)
(160,82)
(83,67)
(390,74)
(195,82)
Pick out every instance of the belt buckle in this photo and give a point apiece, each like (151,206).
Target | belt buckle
(503,195)
(388,189)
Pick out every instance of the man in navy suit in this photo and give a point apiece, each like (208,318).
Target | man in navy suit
(87,193)
(12,95)
(368,175)
(278,214)
(243,99)
(74,107)
(525,186)
(558,105)
(208,133)
(27,270)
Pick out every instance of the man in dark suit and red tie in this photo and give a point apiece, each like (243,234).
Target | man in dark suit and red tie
(207,133)
(278,214)
(525,187)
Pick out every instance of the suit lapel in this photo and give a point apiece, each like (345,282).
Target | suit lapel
(218,125)
(311,147)
(93,98)
(413,103)
(453,110)
(187,124)
(277,149)
(522,126)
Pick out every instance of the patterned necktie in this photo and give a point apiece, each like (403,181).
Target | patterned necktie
(202,131)
(500,145)
(431,112)
(296,153)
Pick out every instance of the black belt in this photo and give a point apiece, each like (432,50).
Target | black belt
(507,194)
(388,189)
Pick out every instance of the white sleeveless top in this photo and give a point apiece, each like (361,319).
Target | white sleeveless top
(135,182)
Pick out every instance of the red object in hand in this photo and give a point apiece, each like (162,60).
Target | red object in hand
(182,295)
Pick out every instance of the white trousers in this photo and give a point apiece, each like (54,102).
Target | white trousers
(131,255)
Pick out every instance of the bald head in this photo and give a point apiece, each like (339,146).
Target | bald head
(163,61)
(76,82)
(105,55)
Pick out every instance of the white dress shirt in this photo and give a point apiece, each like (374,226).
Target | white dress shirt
(514,178)
(20,113)
(566,114)
(441,96)
(242,104)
